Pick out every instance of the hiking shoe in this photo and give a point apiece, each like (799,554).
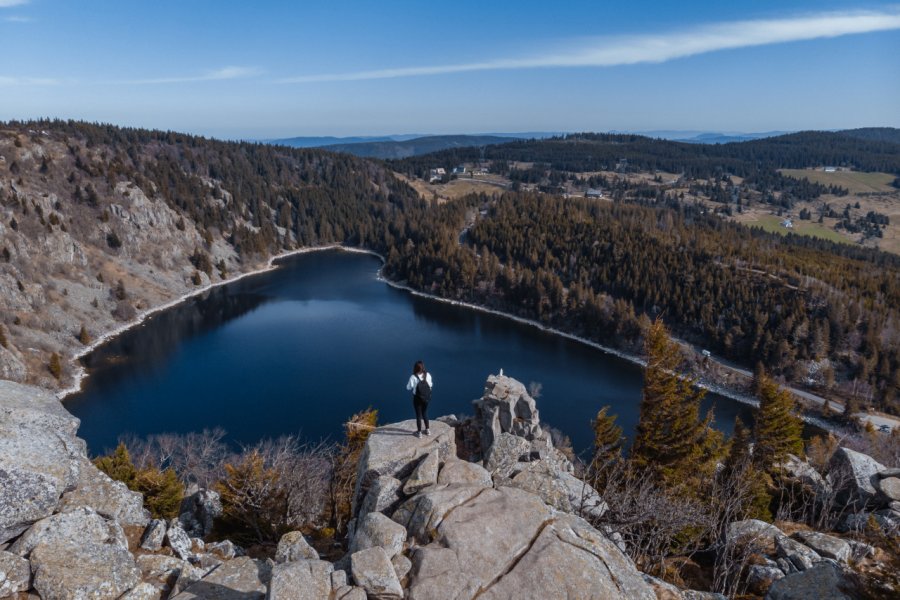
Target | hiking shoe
(418,434)
(427,432)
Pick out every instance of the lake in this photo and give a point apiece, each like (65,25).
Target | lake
(302,347)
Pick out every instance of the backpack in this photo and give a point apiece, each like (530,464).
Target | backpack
(423,390)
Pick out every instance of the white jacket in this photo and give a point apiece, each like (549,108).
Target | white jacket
(415,379)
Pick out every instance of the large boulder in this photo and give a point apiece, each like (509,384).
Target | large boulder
(81,526)
(240,579)
(301,580)
(802,557)
(372,570)
(90,570)
(39,456)
(462,471)
(753,534)
(826,545)
(425,474)
(501,541)
(154,535)
(393,450)
(179,541)
(803,475)
(422,513)
(561,490)
(198,511)
(109,498)
(15,574)
(820,582)
(854,475)
(890,487)
(761,577)
(383,496)
(507,456)
(162,571)
(375,529)
(505,407)
(292,547)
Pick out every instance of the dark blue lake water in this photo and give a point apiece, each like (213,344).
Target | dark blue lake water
(301,348)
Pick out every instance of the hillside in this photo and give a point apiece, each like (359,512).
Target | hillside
(98,224)
(415,147)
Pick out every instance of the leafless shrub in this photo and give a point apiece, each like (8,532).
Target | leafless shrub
(535,389)
(883,447)
(197,458)
(653,522)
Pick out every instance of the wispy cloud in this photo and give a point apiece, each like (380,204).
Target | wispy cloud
(630,50)
(18,19)
(222,74)
(11,3)
(6,81)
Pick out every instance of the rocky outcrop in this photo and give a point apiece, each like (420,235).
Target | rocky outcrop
(375,529)
(292,547)
(506,407)
(15,574)
(198,511)
(373,572)
(822,581)
(243,578)
(856,475)
(301,580)
(394,451)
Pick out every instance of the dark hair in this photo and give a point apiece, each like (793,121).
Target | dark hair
(419,367)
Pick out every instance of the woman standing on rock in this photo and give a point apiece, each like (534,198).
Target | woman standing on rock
(420,385)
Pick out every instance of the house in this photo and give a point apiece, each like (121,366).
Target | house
(436,174)
(461,169)
(830,169)
(593,193)
(787,224)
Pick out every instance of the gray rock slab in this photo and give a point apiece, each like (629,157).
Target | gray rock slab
(154,535)
(383,496)
(800,555)
(80,526)
(507,455)
(422,513)
(825,545)
(15,574)
(820,582)
(758,534)
(86,570)
(293,546)
(461,471)
(372,570)
(240,579)
(890,487)
(402,566)
(109,498)
(855,474)
(178,540)
(424,475)
(375,529)
(394,450)
(143,591)
(301,580)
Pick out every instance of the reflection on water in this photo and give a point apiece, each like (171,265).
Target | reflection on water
(303,347)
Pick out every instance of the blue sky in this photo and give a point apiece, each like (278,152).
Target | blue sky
(281,68)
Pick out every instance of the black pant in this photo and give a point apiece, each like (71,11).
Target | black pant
(421,410)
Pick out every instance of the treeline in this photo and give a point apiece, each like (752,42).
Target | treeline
(601,270)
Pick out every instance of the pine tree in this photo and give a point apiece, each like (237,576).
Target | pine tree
(778,430)
(672,439)
(118,465)
(607,438)
(83,336)
(740,473)
(162,490)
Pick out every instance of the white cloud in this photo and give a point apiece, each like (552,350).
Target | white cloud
(18,19)
(629,50)
(11,3)
(222,74)
(6,81)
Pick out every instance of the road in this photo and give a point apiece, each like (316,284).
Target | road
(877,420)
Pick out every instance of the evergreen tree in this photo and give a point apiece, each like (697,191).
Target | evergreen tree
(607,438)
(672,439)
(118,465)
(83,336)
(741,474)
(162,490)
(778,430)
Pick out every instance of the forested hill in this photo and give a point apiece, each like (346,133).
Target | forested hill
(415,147)
(877,134)
(587,152)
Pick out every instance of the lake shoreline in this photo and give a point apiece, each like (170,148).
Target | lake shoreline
(272,263)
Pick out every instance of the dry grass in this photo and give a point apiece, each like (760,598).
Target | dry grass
(855,181)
